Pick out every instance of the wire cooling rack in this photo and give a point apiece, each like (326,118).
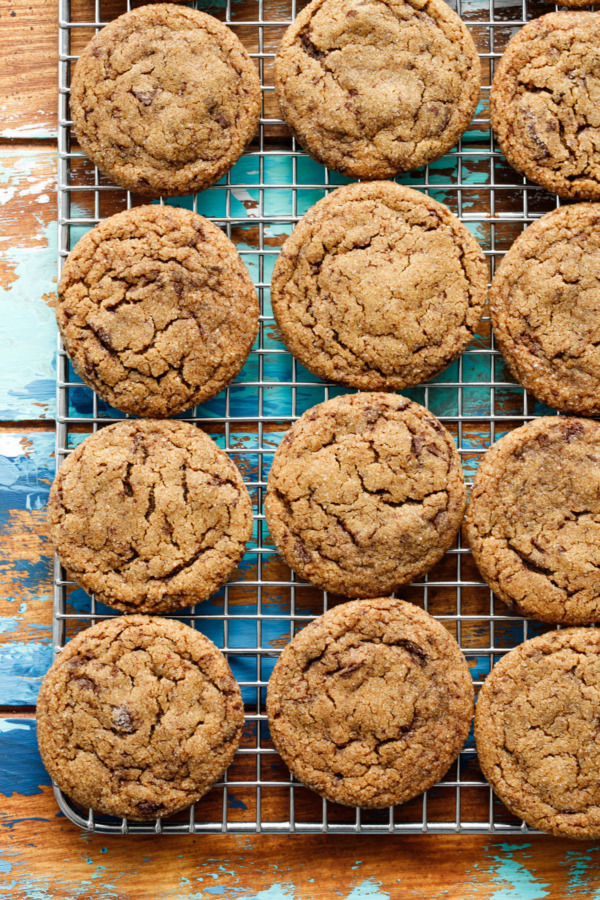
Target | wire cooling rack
(254,616)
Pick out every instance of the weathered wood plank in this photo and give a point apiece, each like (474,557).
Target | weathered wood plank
(26,470)
(28,253)
(43,856)
(28,100)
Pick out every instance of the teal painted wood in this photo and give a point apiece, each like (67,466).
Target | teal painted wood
(27,323)
(26,471)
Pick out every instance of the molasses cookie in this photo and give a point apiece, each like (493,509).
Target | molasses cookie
(138,717)
(365,493)
(371,703)
(378,287)
(164,100)
(544,103)
(533,521)
(150,515)
(536,727)
(156,310)
(545,308)
(373,88)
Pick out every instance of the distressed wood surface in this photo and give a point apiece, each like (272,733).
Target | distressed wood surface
(42,855)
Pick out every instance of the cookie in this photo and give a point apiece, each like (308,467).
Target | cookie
(536,728)
(378,287)
(371,703)
(164,100)
(533,521)
(544,103)
(373,88)
(156,310)
(150,516)
(365,493)
(138,717)
(545,311)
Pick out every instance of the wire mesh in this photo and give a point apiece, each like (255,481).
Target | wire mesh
(253,617)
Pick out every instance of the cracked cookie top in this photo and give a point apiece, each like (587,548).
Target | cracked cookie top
(536,728)
(365,493)
(157,310)
(371,88)
(138,717)
(164,100)
(544,103)
(150,516)
(370,704)
(533,521)
(545,308)
(378,287)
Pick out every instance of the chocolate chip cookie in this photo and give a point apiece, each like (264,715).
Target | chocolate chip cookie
(365,493)
(164,100)
(378,287)
(150,515)
(533,521)
(374,88)
(156,310)
(536,727)
(370,704)
(138,717)
(545,308)
(544,103)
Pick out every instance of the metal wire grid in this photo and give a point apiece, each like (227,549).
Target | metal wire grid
(272,802)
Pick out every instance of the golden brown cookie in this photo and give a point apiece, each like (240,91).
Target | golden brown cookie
(149,515)
(365,493)
(371,703)
(157,310)
(545,308)
(138,717)
(536,728)
(544,103)
(373,88)
(164,100)
(533,521)
(378,287)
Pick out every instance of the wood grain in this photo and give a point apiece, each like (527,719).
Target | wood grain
(28,74)
(43,856)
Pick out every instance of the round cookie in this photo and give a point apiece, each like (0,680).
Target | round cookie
(533,521)
(371,703)
(373,88)
(378,287)
(164,100)
(149,515)
(536,728)
(138,717)
(545,308)
(544,103)
(365,493)
(156,310)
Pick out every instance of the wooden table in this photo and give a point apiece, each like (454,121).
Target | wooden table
(42,855)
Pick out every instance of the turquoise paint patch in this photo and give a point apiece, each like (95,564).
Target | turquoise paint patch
(276,892)
(583,878)
(28,346)
(22,667)
(369,888)
(21,771)
(514,880)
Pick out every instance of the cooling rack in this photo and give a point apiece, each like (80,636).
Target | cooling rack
(255,615)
